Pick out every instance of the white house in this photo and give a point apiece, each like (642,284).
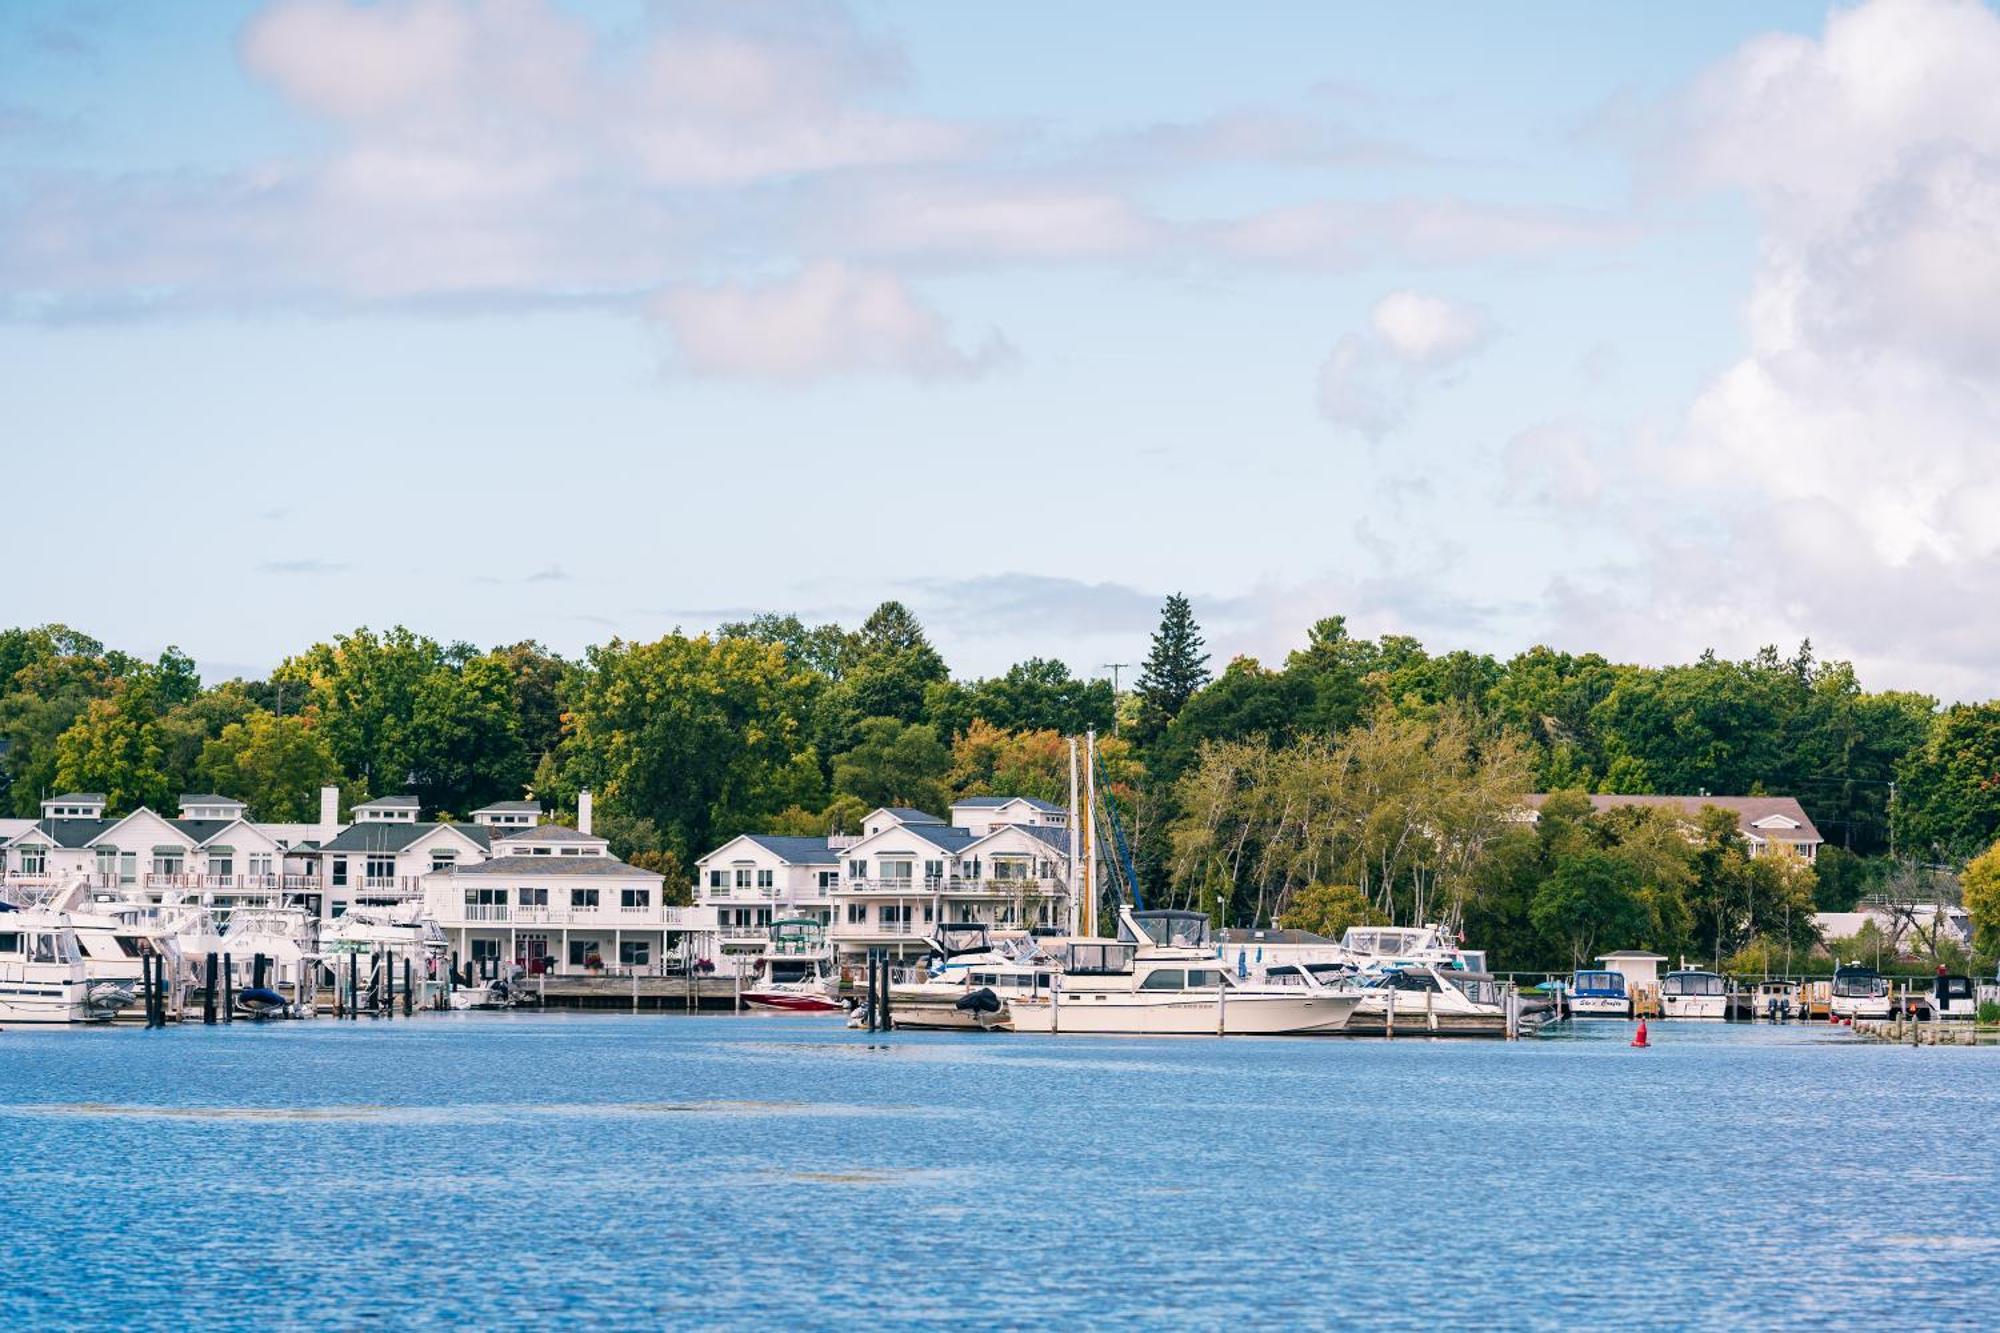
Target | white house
(1001,861)
(554,898)
(1765,822)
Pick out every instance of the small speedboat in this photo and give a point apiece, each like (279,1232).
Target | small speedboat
(1599,994)
(1859,991)
(1694,993)
(795,973)
(262,1002)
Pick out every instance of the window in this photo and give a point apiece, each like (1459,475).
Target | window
(635,897)
(743,877)
(585,953)
(972,869)
(897,870)
(10,941)
(107,861)
(486,897)
(827,879)
(857,870)
(933,871)
(33,860)
(259,863)
(168,863)
(485,950)
(339,870)
(857,914)
(895,916)
(1165,978)
(223,865)
(1048,870)
(764,879)
(444,858)
(379,867)
(583,897)
(1203,979)
(635,953)
(718,879)
(534,898)
(930,914)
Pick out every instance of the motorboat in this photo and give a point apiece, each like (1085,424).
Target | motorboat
(505,991)
(43,975)
(1775,1001)
(1598,994)
(1859,991)
(1161,977)
(795,971)
(971,981)
(262,1002)
(1694,993)
(1433,999)
(1952,997)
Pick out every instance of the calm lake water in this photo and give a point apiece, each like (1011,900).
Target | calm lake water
(604,1171)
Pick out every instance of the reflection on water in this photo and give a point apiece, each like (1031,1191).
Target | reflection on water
(615,1170)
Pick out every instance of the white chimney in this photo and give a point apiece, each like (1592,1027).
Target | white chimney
(583,811)
(329,813)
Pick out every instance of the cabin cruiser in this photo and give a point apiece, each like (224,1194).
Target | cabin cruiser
(1859,991)
(1694,993)
(1161,977)
(795,971)
(1775,1001)
(1599,994)
(282,936)
(43,975)
(1436,999)
(971,980)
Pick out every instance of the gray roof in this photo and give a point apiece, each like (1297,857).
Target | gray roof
(390,803)
(545,833)
(1057,838)
(946,836)
(394,836)
(70,832)
(208,798)
(995,802)
(552,865)
(201,830)
(510,808)
(909,816)
(1747,809)
(799,851)
(79,798)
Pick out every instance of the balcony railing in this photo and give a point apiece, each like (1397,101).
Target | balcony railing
(855,929)
(954,884)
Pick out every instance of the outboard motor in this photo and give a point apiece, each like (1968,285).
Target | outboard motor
(981,1001)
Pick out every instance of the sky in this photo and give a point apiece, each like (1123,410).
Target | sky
(1632,329)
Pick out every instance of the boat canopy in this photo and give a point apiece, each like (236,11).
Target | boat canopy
(1693,983)
(1172,929)
(1599,983)
(1099,958)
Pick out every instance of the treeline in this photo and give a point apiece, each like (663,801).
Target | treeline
(1365,772)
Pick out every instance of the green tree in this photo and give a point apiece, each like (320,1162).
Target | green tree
(1175,667)
(114,748)
(1949,799)
(1040,694)
(275,764)
(1592,901)
(365,687)
(895,763)
(1980,885)
(462,743)
(1329,909)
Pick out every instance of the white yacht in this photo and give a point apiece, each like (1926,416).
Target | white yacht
(43,977)
(1434,999)
(1694,993)
(972,981)
(1599,993)
(1161,977)
(795,971)
(1859,991)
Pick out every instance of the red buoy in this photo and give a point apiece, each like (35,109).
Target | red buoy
(1639,1038)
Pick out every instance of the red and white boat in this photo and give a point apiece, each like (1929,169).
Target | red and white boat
(795,973)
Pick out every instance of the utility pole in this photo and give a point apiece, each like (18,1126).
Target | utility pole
(1114,668)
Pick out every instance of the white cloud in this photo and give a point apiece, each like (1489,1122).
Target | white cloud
(1853,446)
(826,319)
(1555,463)
(1369,383)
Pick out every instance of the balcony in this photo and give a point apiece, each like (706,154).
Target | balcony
(858,930)
(955,886)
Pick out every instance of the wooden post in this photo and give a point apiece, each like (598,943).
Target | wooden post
(208,995)
(635,988)
(257,970)
(1390,1028)
(146,985)
(228,989)
(888,1015)
(409,990)
(354,985)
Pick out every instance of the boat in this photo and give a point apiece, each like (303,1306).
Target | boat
(1430,998)
(1161,977)
(43,976)
(795,971)
(1859,991)
(1599,994)
(972,982)
(1694,993)
(262,1002)
(1775,1001)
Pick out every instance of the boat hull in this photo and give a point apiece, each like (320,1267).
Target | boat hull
(783,1002)
(932,1015)
(1169,1015)
(49,1002)
(1599,1006)
(1708,1008)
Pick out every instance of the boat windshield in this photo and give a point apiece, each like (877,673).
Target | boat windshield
(1855,985)
(1096,958)
(1600,983)
(1693,983)
(790,972)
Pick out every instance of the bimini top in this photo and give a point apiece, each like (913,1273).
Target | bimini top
(1169,929)
(1599,983)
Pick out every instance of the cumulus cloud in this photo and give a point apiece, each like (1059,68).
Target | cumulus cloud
(1554,463)
(1369,382)
(1849,454)
(827,318)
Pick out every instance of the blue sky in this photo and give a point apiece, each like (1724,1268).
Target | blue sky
(1639,330)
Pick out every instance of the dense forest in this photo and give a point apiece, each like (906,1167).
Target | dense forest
(1360,779)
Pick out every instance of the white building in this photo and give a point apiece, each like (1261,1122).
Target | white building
(1764,822)
(1000,861)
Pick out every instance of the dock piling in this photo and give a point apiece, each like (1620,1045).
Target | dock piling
(228,989)
(208,994)
(409,974)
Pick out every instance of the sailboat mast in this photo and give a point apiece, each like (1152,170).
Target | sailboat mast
(1090,831)
(1075,832)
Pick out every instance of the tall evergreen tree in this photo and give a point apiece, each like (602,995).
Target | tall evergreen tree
(1174,669)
